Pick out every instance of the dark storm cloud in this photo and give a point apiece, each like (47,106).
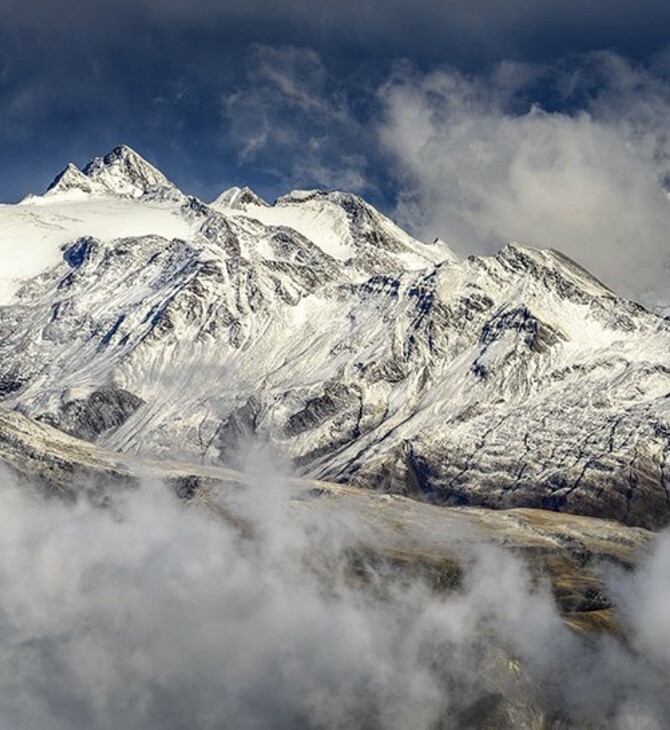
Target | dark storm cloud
(78,76)
(414,28)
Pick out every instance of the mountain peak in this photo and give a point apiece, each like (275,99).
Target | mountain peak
(123,150)
(122,172)
(358,351)
(126,173)
(71,178)
(526,257)
(238,199)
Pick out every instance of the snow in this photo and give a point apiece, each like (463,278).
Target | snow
(228,199)
(33,232)
(237,198)
(327,228)
(125,173)
(321,218)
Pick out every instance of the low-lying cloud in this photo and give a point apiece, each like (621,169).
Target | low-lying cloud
(153,614)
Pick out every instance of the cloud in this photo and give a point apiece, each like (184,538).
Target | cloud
(643,601)
(422,28)
(153,74)
(483,162)
(151,613)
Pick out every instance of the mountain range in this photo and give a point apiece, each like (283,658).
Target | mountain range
(138,317)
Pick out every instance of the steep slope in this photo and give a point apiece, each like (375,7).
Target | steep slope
(358,353)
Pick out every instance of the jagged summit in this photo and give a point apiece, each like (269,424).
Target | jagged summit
(73,179)
(550,260)
(122,172)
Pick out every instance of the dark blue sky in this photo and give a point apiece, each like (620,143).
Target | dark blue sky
(273,94)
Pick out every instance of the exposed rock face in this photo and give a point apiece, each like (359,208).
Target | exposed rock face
(104,409)
(358,353)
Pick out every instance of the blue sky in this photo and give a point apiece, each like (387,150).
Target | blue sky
(422,107)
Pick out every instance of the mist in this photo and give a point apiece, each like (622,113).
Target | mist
(154,613)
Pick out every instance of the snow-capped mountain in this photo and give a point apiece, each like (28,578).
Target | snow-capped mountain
(152,323)
(121,172)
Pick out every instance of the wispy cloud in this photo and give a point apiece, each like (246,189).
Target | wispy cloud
(292,118)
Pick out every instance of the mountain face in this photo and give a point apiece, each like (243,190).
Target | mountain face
(154,324)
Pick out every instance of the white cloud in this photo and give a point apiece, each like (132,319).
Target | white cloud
(479,169)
